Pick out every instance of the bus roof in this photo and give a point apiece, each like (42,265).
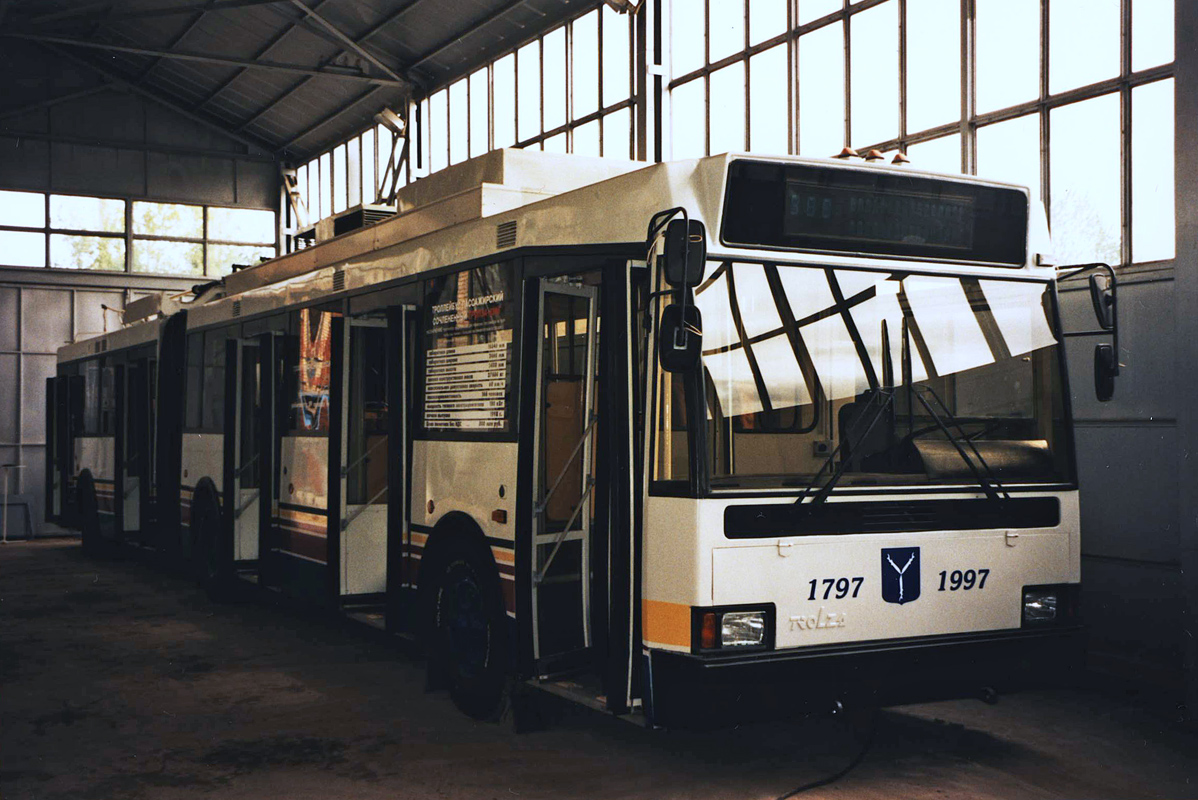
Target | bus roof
(510,199)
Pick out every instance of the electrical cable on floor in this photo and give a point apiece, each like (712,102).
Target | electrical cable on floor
(866,744)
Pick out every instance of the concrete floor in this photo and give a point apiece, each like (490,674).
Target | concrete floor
(119,682)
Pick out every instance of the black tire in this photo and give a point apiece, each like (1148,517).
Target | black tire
(212,571)
(91,537)
(469,628)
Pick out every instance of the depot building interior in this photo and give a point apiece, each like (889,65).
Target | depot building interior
(148,146)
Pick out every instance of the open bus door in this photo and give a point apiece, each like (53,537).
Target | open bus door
(55,415)
(69,462)
(363,455)
(243,452)
(563,476)
(136,414)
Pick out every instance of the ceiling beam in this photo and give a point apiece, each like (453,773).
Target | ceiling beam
(326,119)
(202,119)
(204,58)
(84,12)
(458,37)
(8,113)
(265,49)
(348,42)
(140,147)
(178,38)
(383,23)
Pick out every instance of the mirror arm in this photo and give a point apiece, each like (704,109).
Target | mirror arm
(1073,272)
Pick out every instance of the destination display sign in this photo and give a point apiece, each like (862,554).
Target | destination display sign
(467,369)
(874,212)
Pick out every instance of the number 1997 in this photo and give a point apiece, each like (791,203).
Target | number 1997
(964,581)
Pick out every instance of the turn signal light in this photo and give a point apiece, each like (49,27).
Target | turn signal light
(707,639)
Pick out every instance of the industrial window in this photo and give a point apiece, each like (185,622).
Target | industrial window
(568,91)
(116,235)
(1062,94)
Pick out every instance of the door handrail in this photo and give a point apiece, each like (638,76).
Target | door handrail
(241,510)
(561,536)
(586,432)
(345,470)
(241,470)
(345,523)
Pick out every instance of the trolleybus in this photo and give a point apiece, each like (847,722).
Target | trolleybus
(692,441)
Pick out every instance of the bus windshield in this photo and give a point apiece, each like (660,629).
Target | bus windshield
(885,377)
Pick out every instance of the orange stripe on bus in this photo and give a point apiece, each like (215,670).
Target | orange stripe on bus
(666,623)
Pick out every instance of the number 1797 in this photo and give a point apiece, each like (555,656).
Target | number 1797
(840,585)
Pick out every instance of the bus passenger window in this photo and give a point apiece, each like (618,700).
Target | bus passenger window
(311,371)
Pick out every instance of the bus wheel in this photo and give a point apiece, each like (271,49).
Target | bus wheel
(470,636)
(211,571)
(89,516)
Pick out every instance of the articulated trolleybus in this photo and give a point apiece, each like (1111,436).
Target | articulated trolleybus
(809,441)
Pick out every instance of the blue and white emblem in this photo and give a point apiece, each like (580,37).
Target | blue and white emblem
(900,574)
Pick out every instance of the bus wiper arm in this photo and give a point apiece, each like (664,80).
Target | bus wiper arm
(887,397)
(984,476)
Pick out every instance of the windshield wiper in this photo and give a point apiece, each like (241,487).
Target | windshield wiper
(851,439)
(988,481)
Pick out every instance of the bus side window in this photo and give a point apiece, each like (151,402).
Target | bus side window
(107,401)
(194,388)
(91,398)
(213,393)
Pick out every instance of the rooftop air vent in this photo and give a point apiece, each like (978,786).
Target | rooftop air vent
(505,234)
(338,280)
(237,308)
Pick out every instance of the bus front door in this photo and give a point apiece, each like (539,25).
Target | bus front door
(563,476)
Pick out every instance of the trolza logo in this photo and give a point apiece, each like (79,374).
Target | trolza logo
(900,574)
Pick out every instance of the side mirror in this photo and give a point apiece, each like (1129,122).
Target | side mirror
(684,254)
(680,338)
(1103,300)
(1106,367)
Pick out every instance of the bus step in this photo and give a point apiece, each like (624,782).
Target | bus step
(375,619)
(584,690)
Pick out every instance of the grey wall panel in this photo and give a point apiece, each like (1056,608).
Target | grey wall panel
(36,121)
(90,316)
(1133,612)
(33,482)
(1128,491)
(196,178)
(24,164)
(122,116)
(9,303)
(45,319)
(1146,388)
(97,170)
(8,399)
(165,127)
(34,371)
(257,184)
(16,514)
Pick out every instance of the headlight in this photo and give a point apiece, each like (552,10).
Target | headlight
(1039,606)
(742,629)
(732,628)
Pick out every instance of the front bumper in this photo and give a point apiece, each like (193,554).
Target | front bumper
(704,691)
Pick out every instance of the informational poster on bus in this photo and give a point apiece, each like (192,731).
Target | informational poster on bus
(467,373)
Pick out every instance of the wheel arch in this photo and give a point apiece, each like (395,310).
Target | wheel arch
(455,532)
(204,496)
